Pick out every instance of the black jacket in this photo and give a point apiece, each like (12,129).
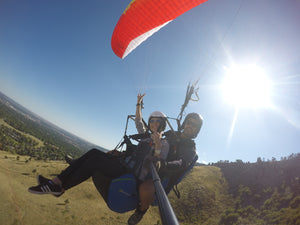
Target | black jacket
(181,153)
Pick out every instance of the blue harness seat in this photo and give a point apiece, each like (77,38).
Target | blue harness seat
(121,194)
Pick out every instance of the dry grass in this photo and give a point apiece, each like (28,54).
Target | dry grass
(203,198)
(79,206)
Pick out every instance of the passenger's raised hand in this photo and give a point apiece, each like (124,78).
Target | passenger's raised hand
(140,98)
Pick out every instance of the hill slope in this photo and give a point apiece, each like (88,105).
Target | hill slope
(206,198)
(23,132)
(79,206)
(203,195)
(203,198)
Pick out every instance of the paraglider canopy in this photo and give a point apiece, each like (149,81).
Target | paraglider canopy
(142,18)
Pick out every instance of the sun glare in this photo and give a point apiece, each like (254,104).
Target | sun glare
(246,86)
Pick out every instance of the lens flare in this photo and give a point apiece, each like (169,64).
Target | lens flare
(246,86)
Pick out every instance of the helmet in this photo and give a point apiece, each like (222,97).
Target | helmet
(158,114)
(195,116)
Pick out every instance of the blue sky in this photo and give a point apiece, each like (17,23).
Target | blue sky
(56,60)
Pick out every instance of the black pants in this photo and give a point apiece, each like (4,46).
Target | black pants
(89,163)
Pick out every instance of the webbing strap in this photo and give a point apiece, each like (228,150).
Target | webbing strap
(176,191)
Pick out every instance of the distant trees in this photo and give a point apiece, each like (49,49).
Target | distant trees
(265,192)
(15,140)
(258,161)
(229,217)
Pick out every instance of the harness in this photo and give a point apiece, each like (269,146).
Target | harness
(121,194)
(135,162)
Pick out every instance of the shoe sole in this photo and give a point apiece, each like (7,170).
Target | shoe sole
(56,194)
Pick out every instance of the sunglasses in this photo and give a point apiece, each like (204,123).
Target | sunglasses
(155,120)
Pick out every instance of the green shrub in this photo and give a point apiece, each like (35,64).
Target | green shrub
(229,217)
(295,203)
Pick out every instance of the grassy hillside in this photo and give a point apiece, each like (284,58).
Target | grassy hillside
(38,142)
(206,196)
(25,133)
(80,205)
(203,197)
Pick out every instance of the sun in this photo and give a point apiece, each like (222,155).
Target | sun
(246,86)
